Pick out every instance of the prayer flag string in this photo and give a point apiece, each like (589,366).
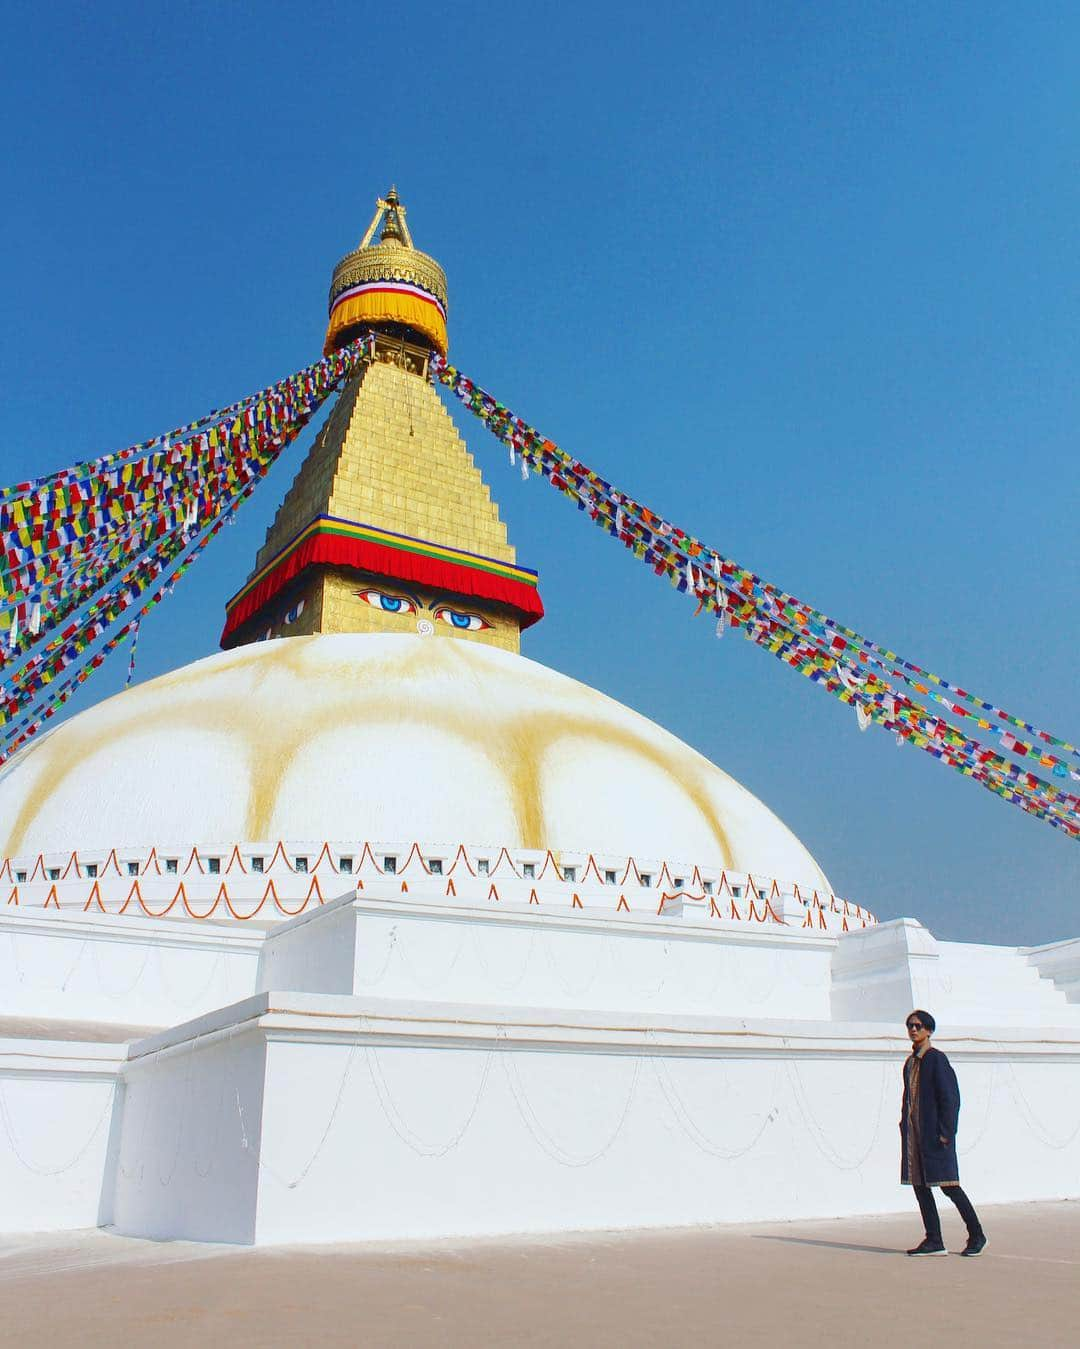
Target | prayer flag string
(84,547)
(857,671)
(89,550)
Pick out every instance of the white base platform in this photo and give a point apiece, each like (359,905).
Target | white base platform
(438,1068)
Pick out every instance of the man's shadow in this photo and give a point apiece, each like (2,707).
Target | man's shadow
(831,1245)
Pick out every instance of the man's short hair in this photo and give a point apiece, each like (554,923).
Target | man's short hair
(925,1017)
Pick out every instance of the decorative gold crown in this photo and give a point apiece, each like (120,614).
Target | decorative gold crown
(412,292)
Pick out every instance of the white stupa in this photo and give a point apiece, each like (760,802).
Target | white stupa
(370,926)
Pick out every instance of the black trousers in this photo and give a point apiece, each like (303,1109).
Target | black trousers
(925,1195)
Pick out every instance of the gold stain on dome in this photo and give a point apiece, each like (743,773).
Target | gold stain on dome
(515,741)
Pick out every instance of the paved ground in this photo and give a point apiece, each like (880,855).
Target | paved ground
(837,1283)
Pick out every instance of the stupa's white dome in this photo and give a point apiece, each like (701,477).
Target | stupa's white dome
(384,737)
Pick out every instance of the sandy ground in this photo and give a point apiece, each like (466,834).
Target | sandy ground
(836,1283)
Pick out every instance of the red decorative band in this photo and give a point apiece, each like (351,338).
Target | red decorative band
(327,547)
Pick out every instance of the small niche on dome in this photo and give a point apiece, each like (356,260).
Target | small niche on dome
(300,865)
(389,866)
(132,868)
(257,864)
(483,866)
(736,892)
(609,878)
(762,894)
(213,866)
(344,866)
(91,871)
(20,876)
(171,866)
(569,873)
(434,865)
(680,882)
(708,886)
(54,873)
(528,870)
(645,877)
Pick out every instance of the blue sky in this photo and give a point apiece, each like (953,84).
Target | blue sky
(803,278)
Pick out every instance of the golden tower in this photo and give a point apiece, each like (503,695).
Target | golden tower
(388,525)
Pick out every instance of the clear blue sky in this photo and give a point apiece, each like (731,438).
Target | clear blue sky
(805,278)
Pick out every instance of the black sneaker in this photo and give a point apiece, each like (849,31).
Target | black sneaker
(975,1246)
(928,1247)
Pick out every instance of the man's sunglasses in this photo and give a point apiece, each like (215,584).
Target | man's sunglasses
(915,1025)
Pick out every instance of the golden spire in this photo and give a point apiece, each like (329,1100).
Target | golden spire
(388,526)
(390,286)
(390,210)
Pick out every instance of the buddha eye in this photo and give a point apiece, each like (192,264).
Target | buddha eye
(389,604)
(463,622)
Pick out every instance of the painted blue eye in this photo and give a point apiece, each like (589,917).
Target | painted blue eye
(389,604)
(463,622)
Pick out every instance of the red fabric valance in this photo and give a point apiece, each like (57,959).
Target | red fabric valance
(363,555)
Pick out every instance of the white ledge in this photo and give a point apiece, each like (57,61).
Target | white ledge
(377,1021)
(504,914)
(64,1058)
(193,934)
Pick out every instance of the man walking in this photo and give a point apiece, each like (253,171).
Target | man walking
(928,1120)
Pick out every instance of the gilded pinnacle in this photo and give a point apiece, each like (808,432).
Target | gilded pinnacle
(388,284)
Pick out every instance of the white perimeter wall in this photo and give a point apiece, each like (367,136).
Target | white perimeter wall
(583,962)
(56,1124)
(146,972)
(189,1138)
(429,1120)
(128,970)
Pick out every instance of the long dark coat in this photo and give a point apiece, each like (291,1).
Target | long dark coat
(939,1113)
